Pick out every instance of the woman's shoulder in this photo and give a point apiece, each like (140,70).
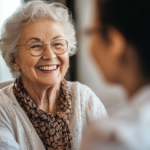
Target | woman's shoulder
(6,90)
(5,97)
(78,87)
(84,96)
(7,111)
(82,92)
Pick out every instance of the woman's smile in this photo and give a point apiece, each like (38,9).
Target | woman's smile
(48,68)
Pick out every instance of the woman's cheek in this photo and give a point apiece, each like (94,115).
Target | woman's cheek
(65,63)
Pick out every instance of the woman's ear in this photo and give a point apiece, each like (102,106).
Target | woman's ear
(117,44)
(15,63)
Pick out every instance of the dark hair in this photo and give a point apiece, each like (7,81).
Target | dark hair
(132,19)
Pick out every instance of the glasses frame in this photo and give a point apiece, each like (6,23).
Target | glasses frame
(45,47)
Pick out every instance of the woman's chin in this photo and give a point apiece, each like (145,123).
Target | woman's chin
(50,82)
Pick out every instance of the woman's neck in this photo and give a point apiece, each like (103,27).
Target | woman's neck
(45,98)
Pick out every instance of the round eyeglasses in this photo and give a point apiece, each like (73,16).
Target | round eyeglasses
(37,48)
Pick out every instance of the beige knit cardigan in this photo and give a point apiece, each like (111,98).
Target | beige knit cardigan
(17,132)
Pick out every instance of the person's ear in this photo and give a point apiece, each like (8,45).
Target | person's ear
(15,64)
(117,43)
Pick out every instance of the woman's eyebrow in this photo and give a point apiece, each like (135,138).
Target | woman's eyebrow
(56,37)
(38,39)
(34,38)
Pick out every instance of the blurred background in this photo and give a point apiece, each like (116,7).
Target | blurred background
(82,67)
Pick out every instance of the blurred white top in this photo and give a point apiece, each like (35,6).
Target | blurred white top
(128,129)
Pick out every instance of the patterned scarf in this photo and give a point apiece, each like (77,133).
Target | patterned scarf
(53,129)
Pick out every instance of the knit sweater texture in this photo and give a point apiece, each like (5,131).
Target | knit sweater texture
(18,133)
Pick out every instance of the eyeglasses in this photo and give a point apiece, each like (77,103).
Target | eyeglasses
(37,48)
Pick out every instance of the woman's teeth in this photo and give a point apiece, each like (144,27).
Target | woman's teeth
(48,68)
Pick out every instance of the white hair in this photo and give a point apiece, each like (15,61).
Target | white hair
(34,10)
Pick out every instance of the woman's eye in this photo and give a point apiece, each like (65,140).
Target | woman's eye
(36,46)
(58,44)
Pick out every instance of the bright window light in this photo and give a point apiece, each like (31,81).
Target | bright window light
(7,7)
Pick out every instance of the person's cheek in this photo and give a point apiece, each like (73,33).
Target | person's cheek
(94,48)
(64,64)
(94,54)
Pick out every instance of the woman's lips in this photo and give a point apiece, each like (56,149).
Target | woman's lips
(48,69)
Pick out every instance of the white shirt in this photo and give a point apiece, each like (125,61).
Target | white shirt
(18,133)
(128,129)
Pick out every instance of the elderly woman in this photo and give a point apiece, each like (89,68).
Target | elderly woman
(41,110)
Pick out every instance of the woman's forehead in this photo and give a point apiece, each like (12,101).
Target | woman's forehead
(44,29)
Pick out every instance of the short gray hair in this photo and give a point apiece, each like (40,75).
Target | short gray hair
(34,10)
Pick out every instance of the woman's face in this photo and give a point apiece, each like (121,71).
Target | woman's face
(106,53)
(31,67)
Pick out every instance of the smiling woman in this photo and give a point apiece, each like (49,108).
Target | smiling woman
(39,54)
(42,110)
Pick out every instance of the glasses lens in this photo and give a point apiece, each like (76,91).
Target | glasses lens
(59,46)
(36,48)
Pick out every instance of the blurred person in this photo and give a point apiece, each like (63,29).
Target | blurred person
(119,43)
(42,110)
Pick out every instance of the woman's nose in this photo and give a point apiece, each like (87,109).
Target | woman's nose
(48,54)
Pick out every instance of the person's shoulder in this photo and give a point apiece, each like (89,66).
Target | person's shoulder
(77,87)
(93,106)
(5,98)
(128,126)
(76,84)
(94,133)
(6,90)
(83,92)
